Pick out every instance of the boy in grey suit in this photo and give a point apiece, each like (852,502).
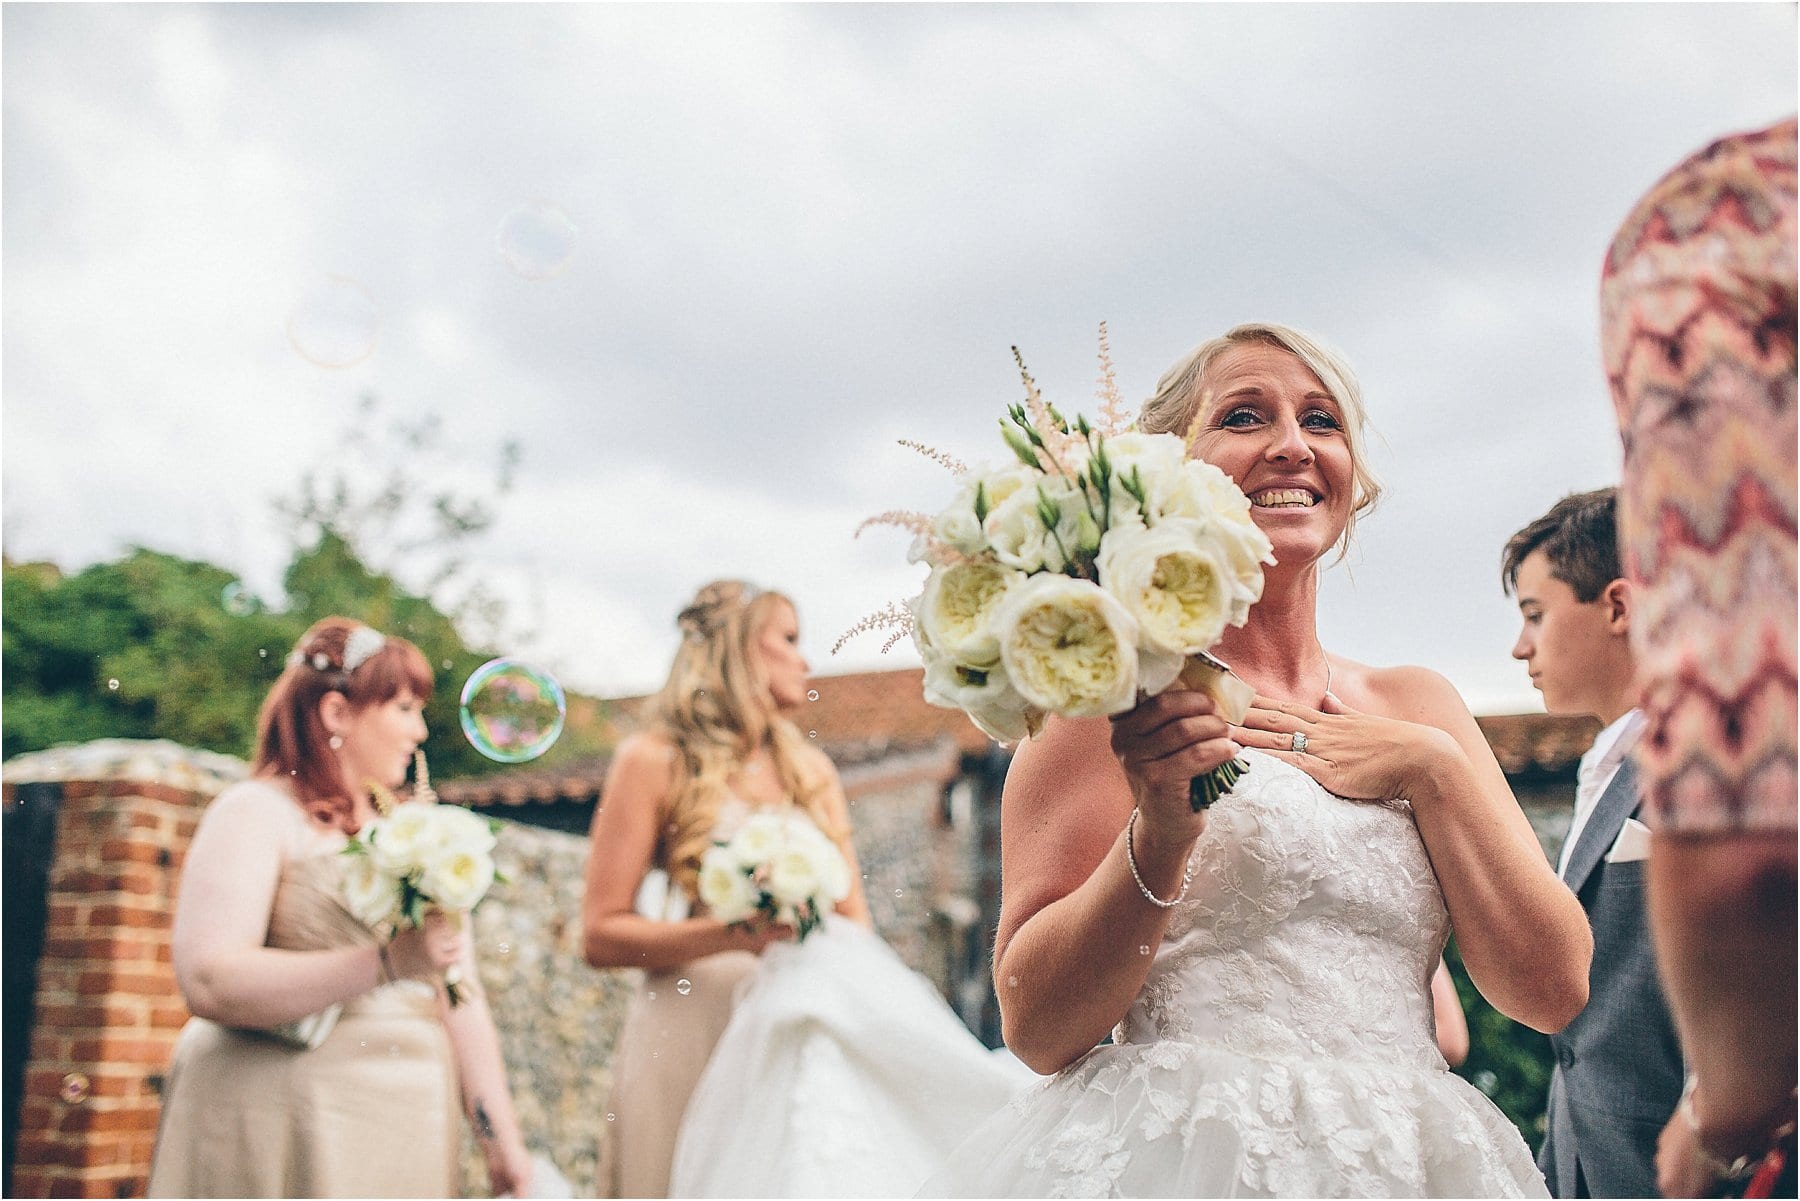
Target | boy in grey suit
(1618,1064)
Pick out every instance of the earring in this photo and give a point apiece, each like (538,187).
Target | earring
(336,742)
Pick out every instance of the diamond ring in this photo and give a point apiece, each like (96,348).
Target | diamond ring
(1298,742)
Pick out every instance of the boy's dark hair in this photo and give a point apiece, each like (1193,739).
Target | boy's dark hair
(1580,537)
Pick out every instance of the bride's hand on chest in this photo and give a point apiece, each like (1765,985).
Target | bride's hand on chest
(1357,755)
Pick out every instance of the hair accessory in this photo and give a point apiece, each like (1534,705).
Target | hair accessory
(1187,871)
(711,608)
(360,645)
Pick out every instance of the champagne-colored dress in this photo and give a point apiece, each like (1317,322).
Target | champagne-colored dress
(674,1023)
(370,1111)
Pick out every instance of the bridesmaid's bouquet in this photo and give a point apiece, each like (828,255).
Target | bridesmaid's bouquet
(777,864)
(416,857)
(1096,566)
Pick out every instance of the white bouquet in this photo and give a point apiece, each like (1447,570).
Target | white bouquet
(1097,566)
(416,857)
(777,864)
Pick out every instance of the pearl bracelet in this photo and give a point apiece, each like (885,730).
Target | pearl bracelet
(1187,871)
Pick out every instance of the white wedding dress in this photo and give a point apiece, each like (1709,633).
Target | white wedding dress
(841,1074)
(1283,1044)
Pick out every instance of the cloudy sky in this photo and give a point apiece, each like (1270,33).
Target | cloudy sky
(801,233)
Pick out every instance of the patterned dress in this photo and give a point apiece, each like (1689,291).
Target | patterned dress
(1698,330)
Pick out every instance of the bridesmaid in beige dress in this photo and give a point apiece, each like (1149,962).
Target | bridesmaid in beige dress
(717,744)
(321,1061)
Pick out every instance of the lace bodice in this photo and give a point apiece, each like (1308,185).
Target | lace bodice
(1311,930)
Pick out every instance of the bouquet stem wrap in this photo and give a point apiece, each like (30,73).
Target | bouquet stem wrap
(1232,695)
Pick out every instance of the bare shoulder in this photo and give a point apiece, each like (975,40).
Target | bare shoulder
(644,756)
(1407,693)
(261,801)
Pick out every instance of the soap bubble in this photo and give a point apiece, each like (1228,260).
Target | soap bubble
(112,685)
(75,1088)
(813,695)
(335,323)
(537,239)
(683,987)
(238,600)
(511,712)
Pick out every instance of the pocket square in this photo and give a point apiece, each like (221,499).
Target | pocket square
(1632,844)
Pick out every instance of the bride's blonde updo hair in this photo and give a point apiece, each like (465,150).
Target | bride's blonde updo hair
(716,711)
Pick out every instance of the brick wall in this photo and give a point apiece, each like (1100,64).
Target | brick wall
(106,1007)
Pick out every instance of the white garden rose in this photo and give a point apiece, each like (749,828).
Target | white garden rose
(794,874)
(459,829)
(1007,725)
(957,526)
(758,839)
(458,879)
(401,842)
(1157,458)
(371,895)
(984,693)
(1173,579)
(724,887)
(1016,530)
(955,612)
(1068,647)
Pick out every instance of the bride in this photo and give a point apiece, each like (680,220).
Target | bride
(823,1067)
(1264,966)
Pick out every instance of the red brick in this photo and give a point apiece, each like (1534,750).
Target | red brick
(145,982)
(120,1047)
(169,1017)
(135,914)
(130,850)
(79,790)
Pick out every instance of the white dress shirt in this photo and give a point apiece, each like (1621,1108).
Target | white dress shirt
(1598,767)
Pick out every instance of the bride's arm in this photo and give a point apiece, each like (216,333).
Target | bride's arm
(622,843)
(1076,936)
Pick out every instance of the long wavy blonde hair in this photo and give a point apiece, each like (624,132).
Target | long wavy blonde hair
(716,711)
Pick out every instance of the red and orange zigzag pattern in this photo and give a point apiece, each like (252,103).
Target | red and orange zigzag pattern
(1698,333)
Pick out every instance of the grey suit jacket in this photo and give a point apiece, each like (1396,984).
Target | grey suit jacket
(1618,1064)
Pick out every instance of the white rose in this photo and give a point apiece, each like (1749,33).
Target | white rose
(1007,725)
(1069,648)
(957,526)
(757,840)
(1156,457)
(984,693)
(793,876)
(458,879)
(728,893)
(957,607)
(401,842)
(457,828)
(370,894)
(1017,532)
(1173,580)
